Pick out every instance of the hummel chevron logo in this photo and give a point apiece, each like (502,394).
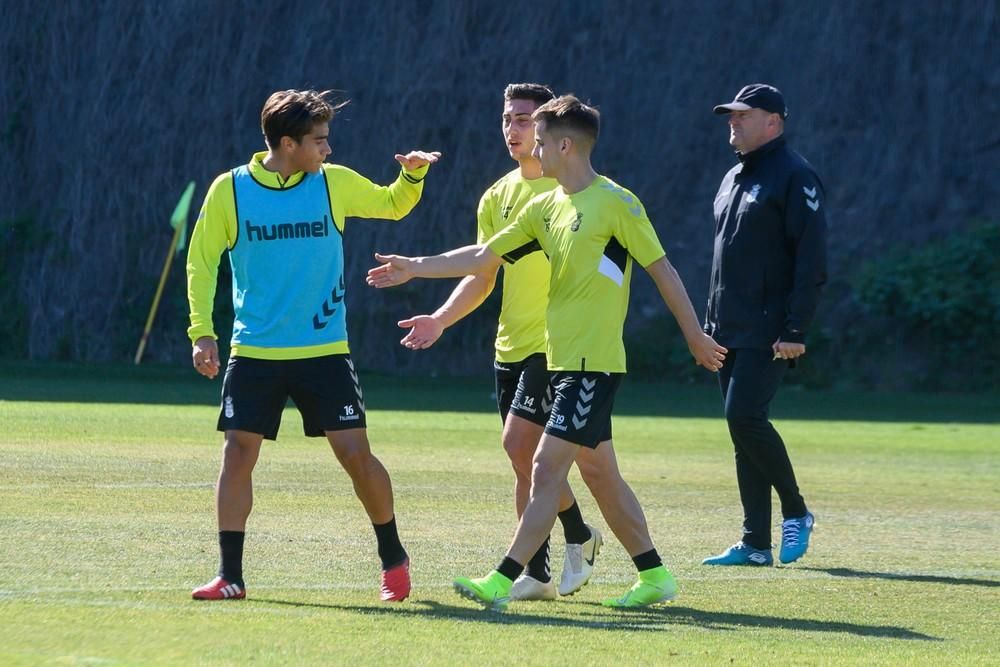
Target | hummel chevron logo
(357,384)
(634,207)
(588,385)
(336,296)
(583,410)
(812,201)
(584,396)
(547,401)
(579,423)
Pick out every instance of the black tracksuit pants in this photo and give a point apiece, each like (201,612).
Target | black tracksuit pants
(749,380)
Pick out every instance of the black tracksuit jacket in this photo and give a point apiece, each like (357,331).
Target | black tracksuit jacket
(770,250)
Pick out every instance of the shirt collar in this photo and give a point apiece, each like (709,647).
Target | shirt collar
(271,179)
(754,156)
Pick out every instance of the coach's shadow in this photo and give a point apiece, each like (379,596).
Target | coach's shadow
(650,619)
(895,576)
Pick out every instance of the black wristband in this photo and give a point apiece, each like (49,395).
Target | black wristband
(793,336)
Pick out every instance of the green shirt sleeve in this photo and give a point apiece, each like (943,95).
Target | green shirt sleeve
(635,232)
(485,218)
(353,195)
(519,238)
(214,232)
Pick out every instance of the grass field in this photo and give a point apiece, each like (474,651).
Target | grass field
(106,523)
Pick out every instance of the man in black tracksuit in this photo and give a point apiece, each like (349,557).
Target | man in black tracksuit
(768,266)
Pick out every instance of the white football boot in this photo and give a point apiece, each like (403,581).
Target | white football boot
(529,588)
(579,563)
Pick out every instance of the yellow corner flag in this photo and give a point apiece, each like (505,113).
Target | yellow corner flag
(178,220)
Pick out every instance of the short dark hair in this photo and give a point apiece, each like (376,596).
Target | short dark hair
(294,113)
(568,113)
(535,92)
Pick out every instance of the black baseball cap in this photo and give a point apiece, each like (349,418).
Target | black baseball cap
(756,96)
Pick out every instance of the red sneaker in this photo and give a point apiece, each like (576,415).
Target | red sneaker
(396,582)
(219,589)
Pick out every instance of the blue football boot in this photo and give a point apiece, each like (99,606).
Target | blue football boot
(795,537)
(741,554)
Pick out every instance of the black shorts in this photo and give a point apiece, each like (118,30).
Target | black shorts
(523,388)
(581,412)
(325,390)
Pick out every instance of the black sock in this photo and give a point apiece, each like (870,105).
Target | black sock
(390,549)
(510,568)
(647,561)
(538,566)
(231,548)
(574,528)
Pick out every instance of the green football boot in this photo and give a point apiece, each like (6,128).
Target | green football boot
(491,591)
(654,585)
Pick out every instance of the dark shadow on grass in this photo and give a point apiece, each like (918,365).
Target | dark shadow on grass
(650,619)
(436,610)
(721,620)
(895,576)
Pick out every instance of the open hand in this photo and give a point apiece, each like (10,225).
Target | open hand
(394,270)
(416,159)
(424,332)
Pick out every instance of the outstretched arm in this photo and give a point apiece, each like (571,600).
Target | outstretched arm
(704,349)
(397,269)
(465,298)
(416,159)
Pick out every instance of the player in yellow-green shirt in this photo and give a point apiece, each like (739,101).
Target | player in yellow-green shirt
(281,217)
(524,396)
(592,230)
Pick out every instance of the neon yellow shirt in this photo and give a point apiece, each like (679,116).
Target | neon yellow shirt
(217,229)
(521,329)
(590,238)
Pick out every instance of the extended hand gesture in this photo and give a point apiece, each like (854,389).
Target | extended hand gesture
(395,270)
(416,159)
(424,332)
